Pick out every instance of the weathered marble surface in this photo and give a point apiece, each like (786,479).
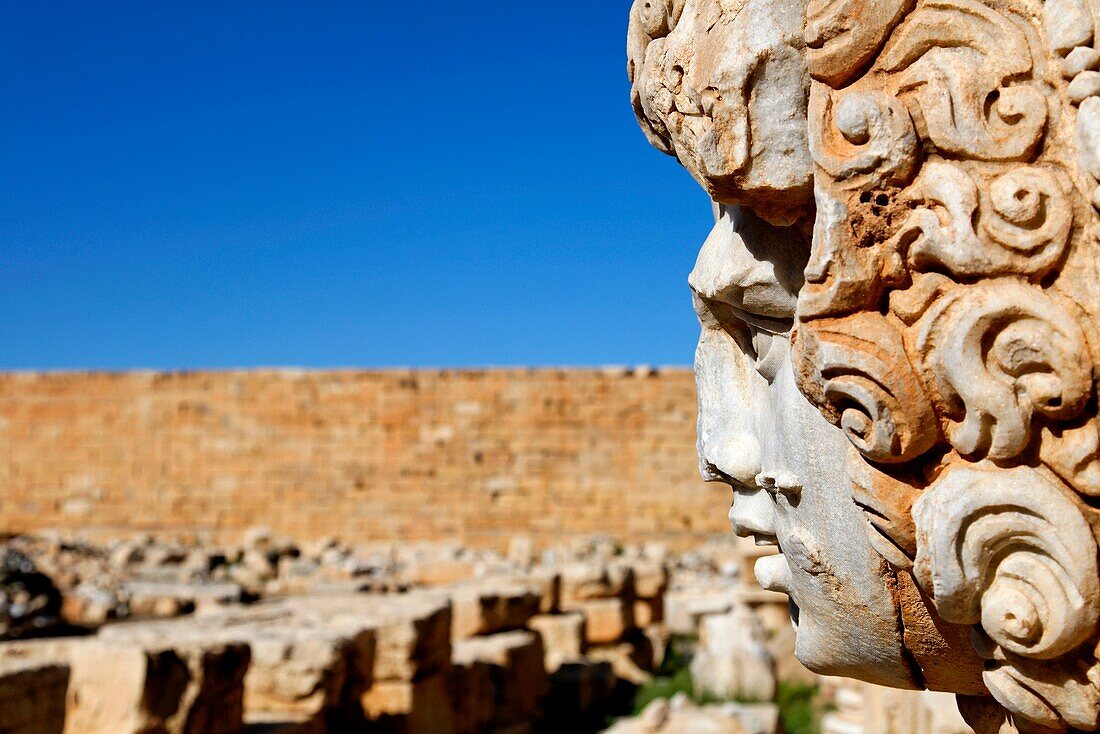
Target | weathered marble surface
(899,306)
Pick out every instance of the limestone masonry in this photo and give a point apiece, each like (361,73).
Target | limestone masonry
(469,456)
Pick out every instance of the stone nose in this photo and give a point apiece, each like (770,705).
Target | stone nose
(779,480)
(752,514)
(735,460)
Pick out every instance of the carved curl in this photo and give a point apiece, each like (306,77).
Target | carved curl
(959,60)
(842,36)
(1024,220)
(1010,550)
(862,138)
(997,353)
(855,370)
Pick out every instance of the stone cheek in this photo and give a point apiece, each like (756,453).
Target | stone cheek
(949,318)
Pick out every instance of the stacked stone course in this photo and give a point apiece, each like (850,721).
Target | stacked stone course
(396,455)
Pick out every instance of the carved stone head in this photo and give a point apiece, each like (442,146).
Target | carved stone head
(900,304)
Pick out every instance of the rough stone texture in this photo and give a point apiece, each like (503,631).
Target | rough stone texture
(32,697)
(606,620)
(899,306)
(679,716)
(865,709)
(733,661)
(124,687)
(475,703)
(299,670)
(485,607)
(411,707)
(563,636)
(516,670)
(357,455)
(412,632)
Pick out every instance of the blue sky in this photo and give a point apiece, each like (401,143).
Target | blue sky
(319,183)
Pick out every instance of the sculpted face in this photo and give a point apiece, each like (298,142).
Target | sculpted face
(754,431)
(900,316)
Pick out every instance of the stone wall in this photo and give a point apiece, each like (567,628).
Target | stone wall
(476,456)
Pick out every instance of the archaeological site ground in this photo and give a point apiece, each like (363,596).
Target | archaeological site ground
(870,506)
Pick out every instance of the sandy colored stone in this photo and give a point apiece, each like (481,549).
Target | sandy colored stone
(546,582)
(398,441)
(437,572)
(650,579)
(585,580)
(684,608)
(424,706)
(490,606)
(563,636)
(733,661)
(412,631)
(649,611)
(679,717)
(118,687)
(300,668)
(605,620)
(517,669)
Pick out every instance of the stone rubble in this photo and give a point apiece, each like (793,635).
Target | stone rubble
(269,636)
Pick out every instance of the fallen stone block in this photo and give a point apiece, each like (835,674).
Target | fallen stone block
(119,687)
(624,662)
(683,608)
(412,631)
(581,581)
(732,660)
(474,700)
(485,608)
(32,697)
(302,668)
(425,706)
(563,637)
(650,579)
(680,716)
(517,669)
(649,611)
(606,620)
(756,718)
(546,582)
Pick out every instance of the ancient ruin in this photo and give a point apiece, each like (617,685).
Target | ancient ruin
(899,308)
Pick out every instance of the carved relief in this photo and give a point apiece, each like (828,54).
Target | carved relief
(948,320)
(953,200)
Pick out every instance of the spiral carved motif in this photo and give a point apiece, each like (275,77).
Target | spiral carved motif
(856,371)
(1008,549)
(1023,216)
(958,59)
(948,318)
(865,137)
(999,352)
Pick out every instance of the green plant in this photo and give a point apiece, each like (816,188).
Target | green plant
(663,687)
(798,709)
